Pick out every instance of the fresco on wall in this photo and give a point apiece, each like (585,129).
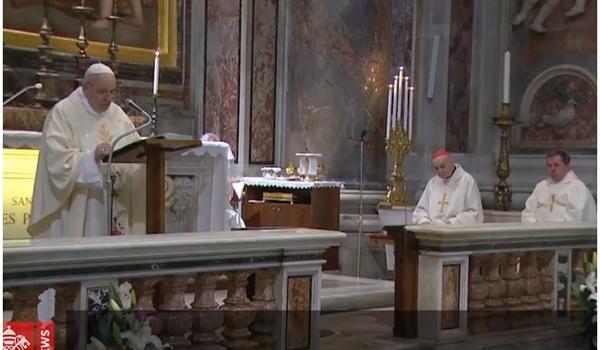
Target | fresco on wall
(221,96)
(459,67)
(553,76)
(264,69)
(338,85)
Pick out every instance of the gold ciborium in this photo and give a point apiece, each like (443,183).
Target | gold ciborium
(399,146)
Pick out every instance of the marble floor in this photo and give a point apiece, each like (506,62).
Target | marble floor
(363,329)
(343,293)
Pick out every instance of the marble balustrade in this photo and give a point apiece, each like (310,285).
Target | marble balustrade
(163,268)
(481,279)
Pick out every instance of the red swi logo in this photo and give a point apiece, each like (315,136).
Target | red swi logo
(28,336)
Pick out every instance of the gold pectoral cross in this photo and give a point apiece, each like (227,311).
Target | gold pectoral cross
(553,201)
(443,202)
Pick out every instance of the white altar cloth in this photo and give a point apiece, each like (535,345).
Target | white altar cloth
(214,189)
(283,183)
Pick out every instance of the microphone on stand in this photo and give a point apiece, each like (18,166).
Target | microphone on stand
(34,86)
(360,207)
(135,106)
(109,179)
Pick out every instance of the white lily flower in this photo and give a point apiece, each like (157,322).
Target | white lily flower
(95,344)
(143,337)
(125,295)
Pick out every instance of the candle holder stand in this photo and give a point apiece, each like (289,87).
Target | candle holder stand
(502,189)
(399,146)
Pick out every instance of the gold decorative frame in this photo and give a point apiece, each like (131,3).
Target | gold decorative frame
(167,41)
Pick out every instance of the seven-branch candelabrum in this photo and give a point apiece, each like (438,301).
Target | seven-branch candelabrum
(502,190)
(398,145)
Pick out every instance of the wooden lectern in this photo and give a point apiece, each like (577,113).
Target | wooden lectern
(154,151)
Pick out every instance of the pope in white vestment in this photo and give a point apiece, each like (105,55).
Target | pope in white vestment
(69,198)
(450,197)
(561,197)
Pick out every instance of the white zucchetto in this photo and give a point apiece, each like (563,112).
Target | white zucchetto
(98,68)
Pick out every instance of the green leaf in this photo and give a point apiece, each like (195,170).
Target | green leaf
(117,335)
(133,299)
(116,295)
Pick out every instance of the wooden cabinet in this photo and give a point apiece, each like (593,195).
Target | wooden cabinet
(311,208)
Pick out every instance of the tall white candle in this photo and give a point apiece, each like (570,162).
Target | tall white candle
(506,80)
(155,83)
(395,102)
(411,92)
(388,125)
(398,115)
(405,110)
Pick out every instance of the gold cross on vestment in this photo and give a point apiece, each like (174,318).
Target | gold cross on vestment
(553,201)
(443,202)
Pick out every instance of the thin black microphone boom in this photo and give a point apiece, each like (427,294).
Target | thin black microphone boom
(34,86)
(362,134)
(135,106)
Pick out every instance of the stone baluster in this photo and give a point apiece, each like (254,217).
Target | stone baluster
(66,329)
(478,290)
(207,317)
(530,299)
(264,300)
(511,274)
(494,304)
(546,280)
(25,301)
(176,321)
(144,290)
(239,312)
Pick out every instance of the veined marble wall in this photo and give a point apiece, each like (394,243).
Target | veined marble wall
(459,71)
(222,70)
(264,60)
(403,18)
(338,70)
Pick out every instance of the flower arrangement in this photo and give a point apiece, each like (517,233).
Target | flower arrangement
(587,291)
(119,325)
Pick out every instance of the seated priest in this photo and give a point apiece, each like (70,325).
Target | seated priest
(561,197)
(69,197)
(450,197)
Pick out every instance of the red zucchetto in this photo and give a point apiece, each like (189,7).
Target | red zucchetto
(439,153)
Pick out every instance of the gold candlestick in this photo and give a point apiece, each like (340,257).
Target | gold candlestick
(502,190)
(399,146)
(46,96)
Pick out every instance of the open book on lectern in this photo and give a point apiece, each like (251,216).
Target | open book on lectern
(169,143)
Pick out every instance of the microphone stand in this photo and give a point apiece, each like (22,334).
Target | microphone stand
(36,86)
(109,178)
(360,206)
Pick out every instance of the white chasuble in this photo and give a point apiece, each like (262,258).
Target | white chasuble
(69,197)
(566,200)
(450,201)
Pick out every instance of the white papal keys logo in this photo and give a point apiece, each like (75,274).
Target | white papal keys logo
(14,341)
